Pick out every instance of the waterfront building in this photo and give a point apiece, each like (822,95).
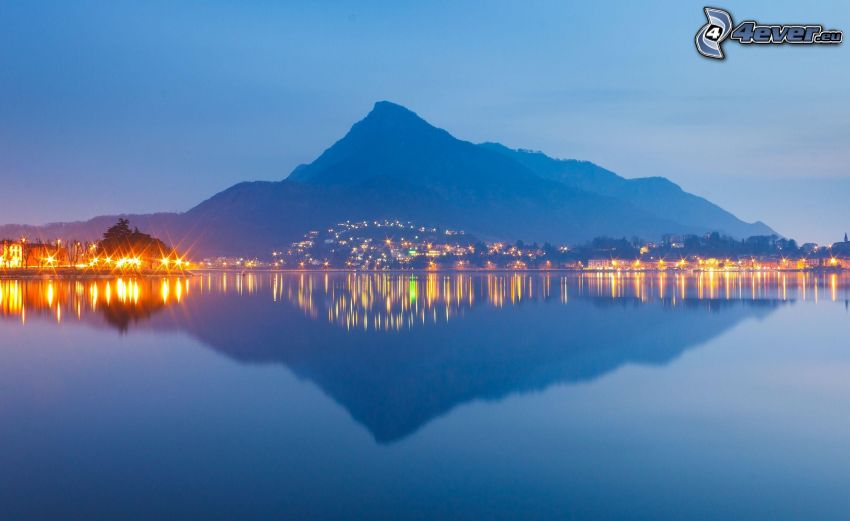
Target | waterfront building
(11,254)
(608,264)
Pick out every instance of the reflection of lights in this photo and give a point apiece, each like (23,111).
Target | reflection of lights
(64,298)
(833,286)
(386,301)
(380,301)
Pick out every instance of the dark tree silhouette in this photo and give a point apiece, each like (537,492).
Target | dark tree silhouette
(120,241)
(118,232)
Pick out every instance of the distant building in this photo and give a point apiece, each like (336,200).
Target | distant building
(11,255)
(607,264)
(831,262)
(770,262)
(572,265)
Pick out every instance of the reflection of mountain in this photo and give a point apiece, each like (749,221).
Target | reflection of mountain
(397,351)
(394,382)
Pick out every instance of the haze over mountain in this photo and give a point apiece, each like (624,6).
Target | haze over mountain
(393,164)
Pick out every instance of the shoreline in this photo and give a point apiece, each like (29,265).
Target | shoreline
(512,270)
(75,274)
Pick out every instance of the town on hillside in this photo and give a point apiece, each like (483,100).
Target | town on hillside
(401,245)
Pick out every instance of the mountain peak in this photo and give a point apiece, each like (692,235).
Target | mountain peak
(386,115)
(392,153)
(391,141)
(388,108)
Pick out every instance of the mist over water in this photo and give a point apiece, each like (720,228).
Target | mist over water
(426,395)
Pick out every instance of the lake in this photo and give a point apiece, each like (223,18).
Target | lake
(426,396)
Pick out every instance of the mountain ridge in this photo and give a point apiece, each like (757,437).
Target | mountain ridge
(641,191)
(394,164)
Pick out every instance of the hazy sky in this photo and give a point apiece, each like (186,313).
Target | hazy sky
(146,106)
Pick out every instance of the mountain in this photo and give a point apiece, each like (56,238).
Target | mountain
(395,382)
(394,391)
(656,195)
(394,164)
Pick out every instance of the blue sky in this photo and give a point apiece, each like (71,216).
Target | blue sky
(153,106)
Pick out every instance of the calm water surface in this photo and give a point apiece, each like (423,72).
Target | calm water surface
(429,396)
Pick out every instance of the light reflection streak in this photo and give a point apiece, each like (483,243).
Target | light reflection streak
(396,301)
(373,301)
(61,299)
